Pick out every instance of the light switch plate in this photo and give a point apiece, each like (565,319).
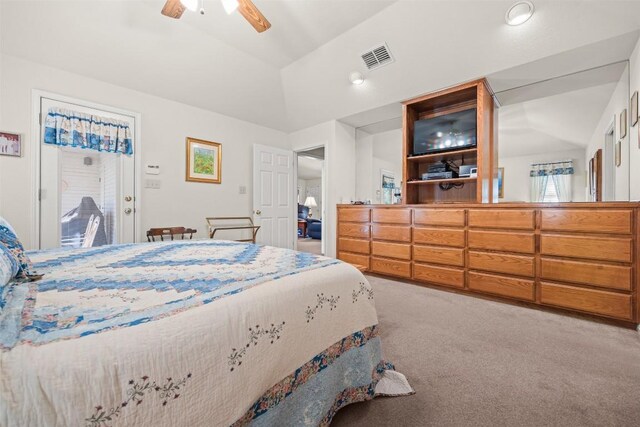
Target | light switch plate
(242,189)
(152,183)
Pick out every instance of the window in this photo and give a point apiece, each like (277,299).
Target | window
(550,193)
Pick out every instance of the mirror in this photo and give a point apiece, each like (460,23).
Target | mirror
(563,139)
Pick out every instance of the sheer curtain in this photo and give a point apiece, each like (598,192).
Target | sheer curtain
(539,176)
(562,173)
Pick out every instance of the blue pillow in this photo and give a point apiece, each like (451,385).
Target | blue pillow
(8,265)
(9,239)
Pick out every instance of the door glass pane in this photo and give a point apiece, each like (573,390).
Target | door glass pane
(88,197)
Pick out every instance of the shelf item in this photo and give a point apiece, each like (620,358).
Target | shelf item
(476,95)
(442,181)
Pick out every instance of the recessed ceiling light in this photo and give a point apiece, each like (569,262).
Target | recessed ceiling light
(519,13)
(356,78)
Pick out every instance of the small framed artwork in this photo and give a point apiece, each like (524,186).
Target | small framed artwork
(623,123)
(634,109)
(387,184)
(501,183)
(10,144)
(618,153)
(204,161)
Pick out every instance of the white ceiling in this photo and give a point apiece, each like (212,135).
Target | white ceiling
(295,75)
(561,122)
(309,168)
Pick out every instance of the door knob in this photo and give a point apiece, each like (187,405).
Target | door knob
(258,212)
(128,211)
(128,198)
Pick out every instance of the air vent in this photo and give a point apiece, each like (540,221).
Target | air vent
(377,57)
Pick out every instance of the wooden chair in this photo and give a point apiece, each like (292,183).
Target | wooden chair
(152,233)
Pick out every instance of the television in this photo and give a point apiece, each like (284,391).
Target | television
(454,131)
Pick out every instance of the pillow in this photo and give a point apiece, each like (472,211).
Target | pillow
(8,265)
(9,239)
(5,223)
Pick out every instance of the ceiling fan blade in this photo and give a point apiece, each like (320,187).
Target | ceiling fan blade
(173,9)
(253,15)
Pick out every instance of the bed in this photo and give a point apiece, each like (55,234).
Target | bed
(188,333)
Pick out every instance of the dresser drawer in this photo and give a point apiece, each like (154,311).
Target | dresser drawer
(355,259)
(354,214)
(502,218)
(502,263)
(588,221)
(505,286)
(439,275)
(439,236)
(392,216)
(353,230)
(391,232)
(501,241)
(391,250)
(607,249)
(391,267)
(588,273)
(438,255)
(354,245)
(446,217)
(588,300)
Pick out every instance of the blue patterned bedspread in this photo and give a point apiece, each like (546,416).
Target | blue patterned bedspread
(86,291)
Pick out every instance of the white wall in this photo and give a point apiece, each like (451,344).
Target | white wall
(164,125)
(634,143)
(516,174)
(340,177)
(374,153)
(619,101)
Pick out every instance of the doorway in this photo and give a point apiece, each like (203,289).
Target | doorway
(310,197)
(86,196)
(610,163)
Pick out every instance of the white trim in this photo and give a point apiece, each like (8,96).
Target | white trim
(36,96)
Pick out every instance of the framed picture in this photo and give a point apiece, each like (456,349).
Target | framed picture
(204,161)
(623,123)
(501,183)
(634,108)
(10,144)
(387,184)
(618,153)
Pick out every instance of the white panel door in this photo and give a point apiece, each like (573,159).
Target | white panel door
(273,196)
(64,185)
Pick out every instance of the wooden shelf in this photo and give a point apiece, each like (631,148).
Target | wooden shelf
(443,181)
(441,156)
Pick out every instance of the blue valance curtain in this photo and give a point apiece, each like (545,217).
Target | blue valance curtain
(560,173)
(70,128)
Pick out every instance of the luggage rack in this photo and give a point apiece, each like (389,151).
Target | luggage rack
(250,226)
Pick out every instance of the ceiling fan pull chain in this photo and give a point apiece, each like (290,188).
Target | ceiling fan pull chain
(201,7)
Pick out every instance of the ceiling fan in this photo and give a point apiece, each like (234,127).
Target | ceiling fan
(175,9)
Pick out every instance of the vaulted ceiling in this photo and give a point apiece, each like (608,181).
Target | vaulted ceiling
(295,74)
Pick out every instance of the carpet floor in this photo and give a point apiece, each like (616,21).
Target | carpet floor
(475,362)
(312,246)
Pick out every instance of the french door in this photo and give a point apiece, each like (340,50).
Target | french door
(86,197)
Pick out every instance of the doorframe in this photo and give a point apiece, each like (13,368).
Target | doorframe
(34,146)
(609,175)
(323,183)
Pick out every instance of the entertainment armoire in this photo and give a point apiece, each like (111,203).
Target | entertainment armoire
(577,257)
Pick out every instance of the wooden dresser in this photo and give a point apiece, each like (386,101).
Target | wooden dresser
(580,257)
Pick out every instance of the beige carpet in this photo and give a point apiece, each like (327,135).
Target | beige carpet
(475,362)
(313,246)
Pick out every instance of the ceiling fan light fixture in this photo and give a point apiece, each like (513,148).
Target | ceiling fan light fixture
(192,5)
(230,6)
(519,13)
